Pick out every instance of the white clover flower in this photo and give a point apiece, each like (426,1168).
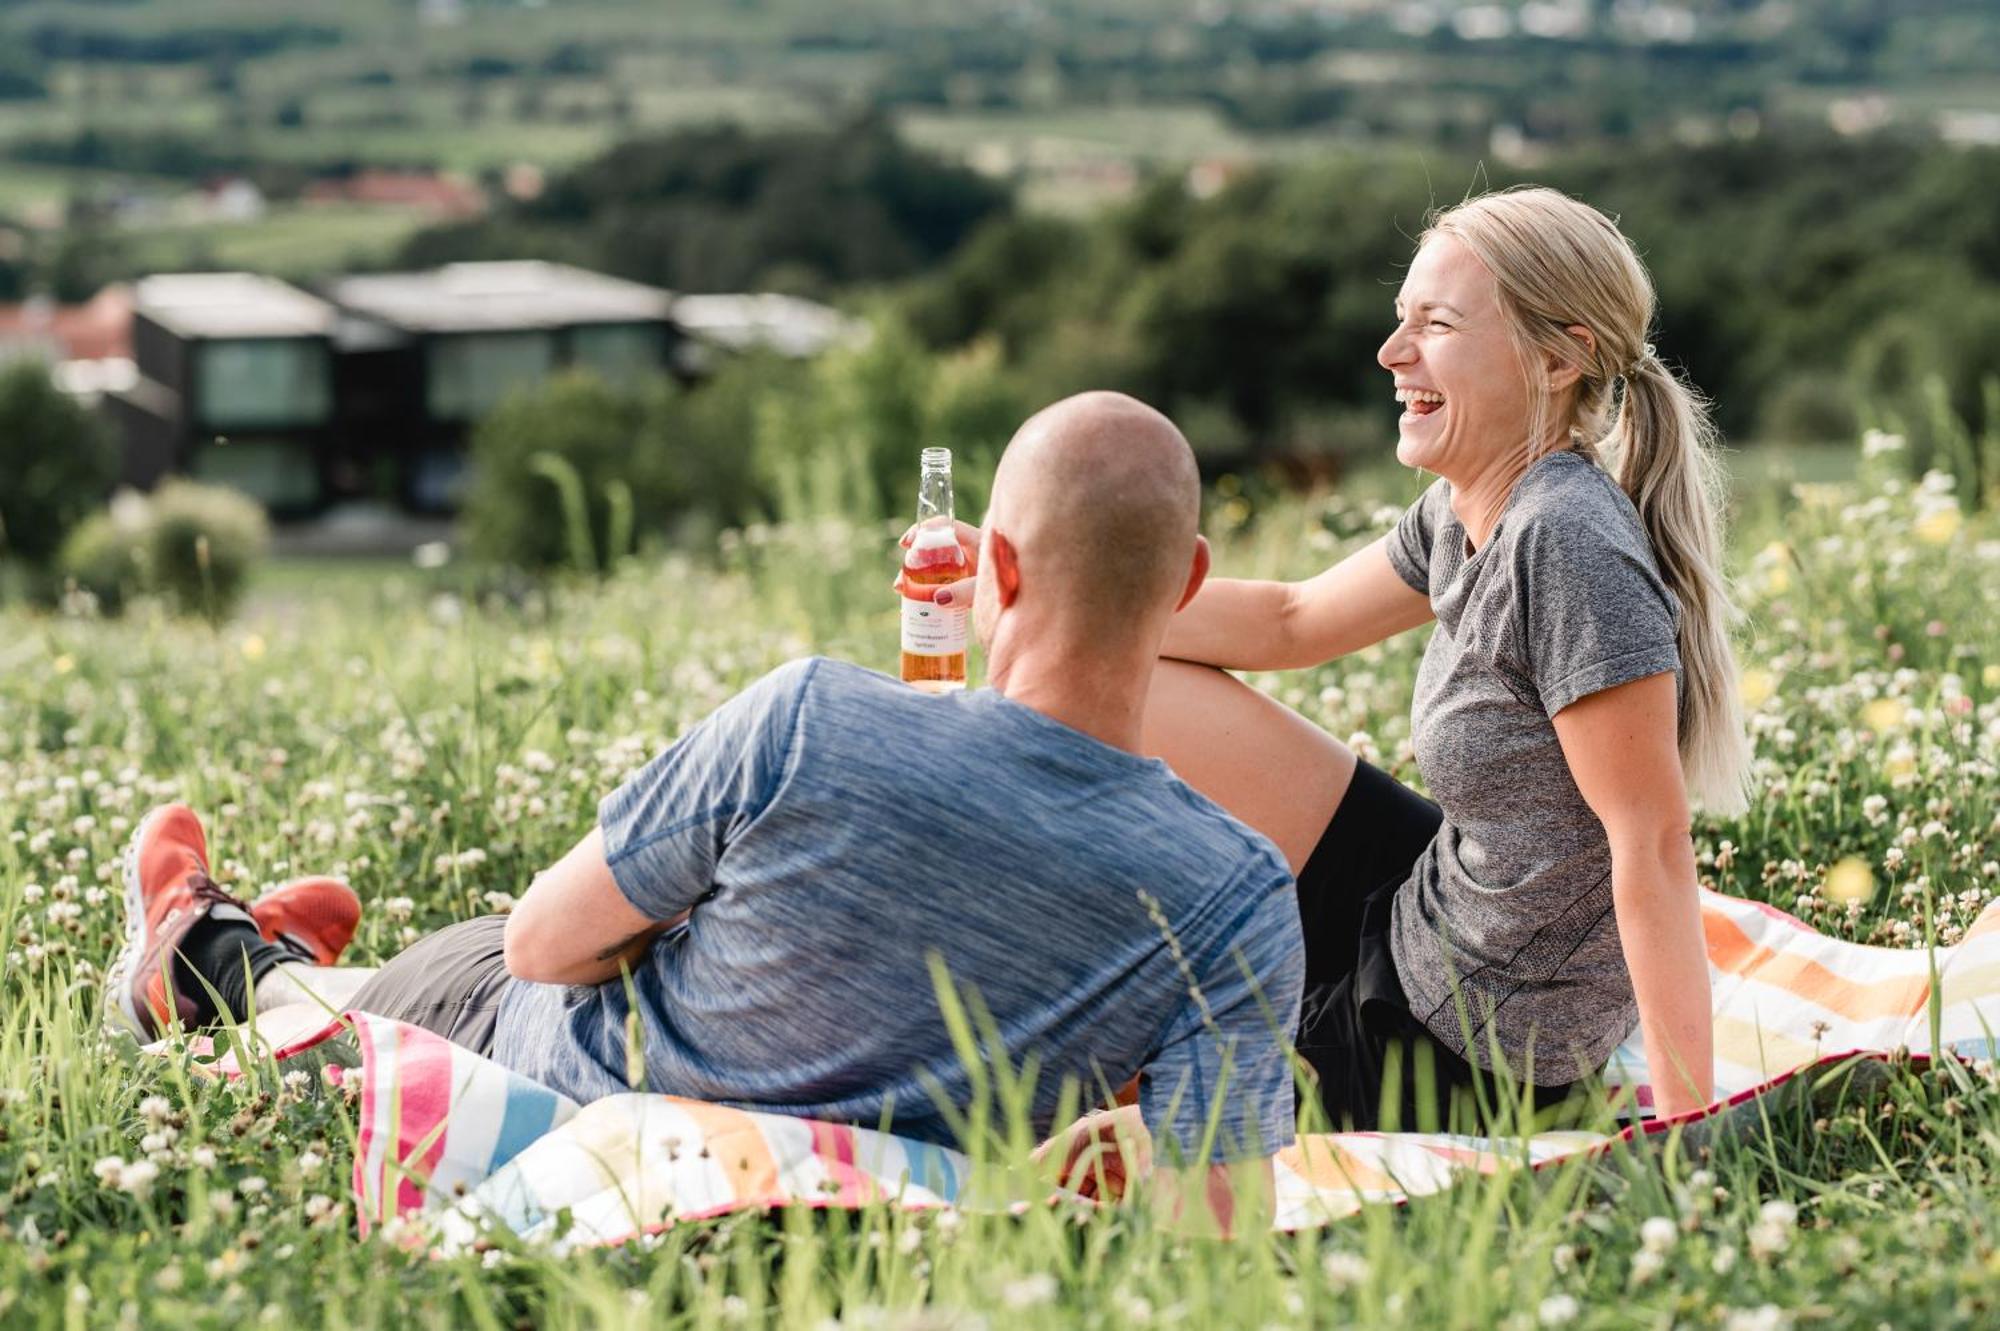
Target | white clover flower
(1558,1310)
(1030,1291)
(108,1170)
(1133,1308)
(138,1178)
(202,1157)
(1723,1262)
(1658,1234)
(1768,1317)
(1647,1263)
(296,1081)
(318,1206)
(251,1185)
(1344,1270)
(310,1162)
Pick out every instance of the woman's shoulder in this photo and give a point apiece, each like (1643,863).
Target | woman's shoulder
(1568,501)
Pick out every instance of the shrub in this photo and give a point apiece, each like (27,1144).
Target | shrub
(572,473)
(102,557)
(193,545)
(201,545)
(57,461)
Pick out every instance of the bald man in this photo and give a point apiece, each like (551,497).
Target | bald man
(769,897)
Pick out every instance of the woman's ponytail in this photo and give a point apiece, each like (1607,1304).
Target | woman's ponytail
(1663,452)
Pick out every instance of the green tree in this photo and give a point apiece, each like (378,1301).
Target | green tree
(59,461)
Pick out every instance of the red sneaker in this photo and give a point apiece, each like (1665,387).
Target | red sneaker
(167,892)
(314,918)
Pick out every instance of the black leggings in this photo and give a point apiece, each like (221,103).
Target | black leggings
(1356,1030)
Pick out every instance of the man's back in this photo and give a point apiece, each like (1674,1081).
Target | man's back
(835,830)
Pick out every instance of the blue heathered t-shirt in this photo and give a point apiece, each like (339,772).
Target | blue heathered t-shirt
(834,829)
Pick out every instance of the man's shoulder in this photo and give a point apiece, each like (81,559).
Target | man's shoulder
(807,675)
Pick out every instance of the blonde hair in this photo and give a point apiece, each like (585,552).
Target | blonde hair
(1560,262)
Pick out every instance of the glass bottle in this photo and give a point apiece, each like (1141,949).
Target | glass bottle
(934,636)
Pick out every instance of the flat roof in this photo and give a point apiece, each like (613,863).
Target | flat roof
(228,305)
(789,325)
(475,297)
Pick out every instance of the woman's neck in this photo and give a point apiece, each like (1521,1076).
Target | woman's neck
(1478,500)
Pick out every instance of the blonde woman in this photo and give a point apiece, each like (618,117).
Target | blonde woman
(1578,693)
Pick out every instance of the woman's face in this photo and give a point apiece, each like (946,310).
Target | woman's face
(1451,344)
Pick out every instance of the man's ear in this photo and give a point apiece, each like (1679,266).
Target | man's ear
(1562,374)
(1197,572)
(1003,566)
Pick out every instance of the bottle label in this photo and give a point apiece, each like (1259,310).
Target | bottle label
(930,629)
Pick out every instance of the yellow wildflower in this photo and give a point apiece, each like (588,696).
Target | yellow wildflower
(1849,881)
(1756,687)
(1939,525)
(1883,714)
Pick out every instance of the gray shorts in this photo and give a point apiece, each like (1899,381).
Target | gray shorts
(448,982)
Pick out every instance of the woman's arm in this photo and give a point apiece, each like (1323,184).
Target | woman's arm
(1622,748)
(1244,625)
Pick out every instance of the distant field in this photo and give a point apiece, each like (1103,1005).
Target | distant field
(291,241)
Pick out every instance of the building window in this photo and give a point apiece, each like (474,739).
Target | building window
(469,373)
(619,352)
(277,473)
(263,383)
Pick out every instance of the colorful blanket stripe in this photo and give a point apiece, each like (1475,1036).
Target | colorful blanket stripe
(452,1137)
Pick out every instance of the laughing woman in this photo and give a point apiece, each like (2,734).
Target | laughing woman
(1577,695)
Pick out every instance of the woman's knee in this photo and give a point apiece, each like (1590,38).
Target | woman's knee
(1251,754)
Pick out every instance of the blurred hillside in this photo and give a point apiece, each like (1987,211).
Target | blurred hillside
(1204,203)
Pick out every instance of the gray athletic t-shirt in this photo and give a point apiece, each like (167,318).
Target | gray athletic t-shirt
(1513,898)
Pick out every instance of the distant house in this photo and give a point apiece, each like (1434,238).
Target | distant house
(426,354)
(370,387)
(98,329)
(439,196)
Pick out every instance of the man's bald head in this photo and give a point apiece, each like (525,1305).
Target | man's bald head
(1100,499)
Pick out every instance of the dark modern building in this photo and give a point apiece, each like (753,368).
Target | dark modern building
(235,380)
(370,388)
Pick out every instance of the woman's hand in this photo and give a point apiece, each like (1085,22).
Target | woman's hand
(951,593)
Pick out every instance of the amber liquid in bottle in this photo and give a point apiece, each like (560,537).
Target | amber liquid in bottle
(934,636)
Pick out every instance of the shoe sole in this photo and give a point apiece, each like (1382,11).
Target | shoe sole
(119,978)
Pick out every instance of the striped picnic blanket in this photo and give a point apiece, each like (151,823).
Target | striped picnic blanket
(460,1142)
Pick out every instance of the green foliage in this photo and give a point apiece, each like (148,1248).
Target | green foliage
(572,473)
(103,558)
(57,461)
(720,209)
(192,545)
(1805,282)
(844,443)
(201,544)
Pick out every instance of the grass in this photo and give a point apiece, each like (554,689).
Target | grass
(297,240)
(369,722)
